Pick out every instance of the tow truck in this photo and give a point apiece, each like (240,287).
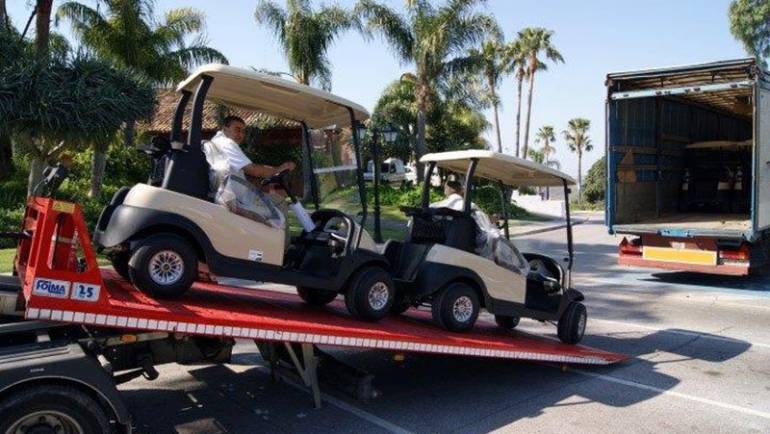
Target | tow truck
(70,332)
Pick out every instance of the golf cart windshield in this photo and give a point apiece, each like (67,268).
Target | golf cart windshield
(329,148)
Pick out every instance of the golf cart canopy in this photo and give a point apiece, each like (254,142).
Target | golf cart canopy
(507,169)
(274,96)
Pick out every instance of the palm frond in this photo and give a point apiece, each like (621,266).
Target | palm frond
(272,15)
(390,25)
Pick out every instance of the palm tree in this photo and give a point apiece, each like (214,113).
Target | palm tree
(306,35)
(434,39)
(546,135)
(534,42)
(492,62)
(126,33)
(517,65)
(576,136)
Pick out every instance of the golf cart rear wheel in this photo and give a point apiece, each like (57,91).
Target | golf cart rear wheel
(119,261)
(572,324)
(456,307)
(370,294)
(507,322)
(163,266)
(316,297)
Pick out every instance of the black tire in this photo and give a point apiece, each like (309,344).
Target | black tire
(572,324)
(178,252)
(360,296)
(507,322)
(52,407)
(119,262)
(316,297)
(445,301)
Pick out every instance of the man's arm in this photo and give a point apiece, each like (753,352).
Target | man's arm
(264,171)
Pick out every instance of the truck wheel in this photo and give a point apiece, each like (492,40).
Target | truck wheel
(52,408)
(370,294)
(163,266)
(316,297)
(456,307)
(572,324)
(119,261)
(507,322)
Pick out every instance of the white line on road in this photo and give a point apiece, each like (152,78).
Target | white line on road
(684,333)
(731,407)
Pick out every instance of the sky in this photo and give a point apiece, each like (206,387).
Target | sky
(595,37)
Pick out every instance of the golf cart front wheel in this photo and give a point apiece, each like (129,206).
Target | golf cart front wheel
(507,322)
(163,266)
(370,294)
(456,307)
(316,297)
(572,324)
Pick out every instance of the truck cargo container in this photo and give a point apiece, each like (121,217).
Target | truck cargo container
(688,167)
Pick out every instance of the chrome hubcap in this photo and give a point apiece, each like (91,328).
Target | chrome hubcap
(378,296)
(47,421)
(463,309)
(166,267)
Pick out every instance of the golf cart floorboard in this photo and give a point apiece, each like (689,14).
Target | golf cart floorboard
(266,315)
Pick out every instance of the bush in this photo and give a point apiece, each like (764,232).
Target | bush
(595,182)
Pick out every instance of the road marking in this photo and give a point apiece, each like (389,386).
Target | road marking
(706,401)
(685,333)
(342,405)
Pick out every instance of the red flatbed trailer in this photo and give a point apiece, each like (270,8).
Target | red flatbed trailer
(61,282)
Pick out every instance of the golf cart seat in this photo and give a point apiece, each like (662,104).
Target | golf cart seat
(445,226)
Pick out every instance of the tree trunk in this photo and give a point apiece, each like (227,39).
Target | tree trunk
(43,26)
(128,133)
(580,173)
(529,112)
(422,108)
(495,104)
(6,156)
(98,164)
(36,166)
(518,114)
(497,129)
(3,15)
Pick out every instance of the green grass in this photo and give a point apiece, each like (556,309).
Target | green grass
(6,260)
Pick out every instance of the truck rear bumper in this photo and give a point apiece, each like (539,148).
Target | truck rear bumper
(728,270)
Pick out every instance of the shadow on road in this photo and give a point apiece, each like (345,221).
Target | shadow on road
(423,393)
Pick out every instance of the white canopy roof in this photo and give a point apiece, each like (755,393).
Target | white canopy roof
(274,96)
(510,170)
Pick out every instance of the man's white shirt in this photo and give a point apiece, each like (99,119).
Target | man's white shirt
(227,150)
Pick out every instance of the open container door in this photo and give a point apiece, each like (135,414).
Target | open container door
(761,185)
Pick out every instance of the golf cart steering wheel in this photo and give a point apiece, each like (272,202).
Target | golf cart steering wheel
(278,179)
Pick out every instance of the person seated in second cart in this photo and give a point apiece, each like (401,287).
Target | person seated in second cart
(230,168)
(490,243)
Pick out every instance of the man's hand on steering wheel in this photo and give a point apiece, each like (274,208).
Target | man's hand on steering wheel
(289,165)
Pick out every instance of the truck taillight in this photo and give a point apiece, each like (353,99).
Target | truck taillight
(633,247)
(740,254)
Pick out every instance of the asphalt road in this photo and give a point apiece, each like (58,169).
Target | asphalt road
(700,350)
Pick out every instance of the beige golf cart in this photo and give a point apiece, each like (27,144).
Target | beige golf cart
(161,233)
(454,260)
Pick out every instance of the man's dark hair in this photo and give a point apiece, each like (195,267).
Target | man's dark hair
(456,186)
(230,119)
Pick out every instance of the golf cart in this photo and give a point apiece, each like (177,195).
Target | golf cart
(160,236)
(440,264)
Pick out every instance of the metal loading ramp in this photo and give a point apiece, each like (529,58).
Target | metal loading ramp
(225,311)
